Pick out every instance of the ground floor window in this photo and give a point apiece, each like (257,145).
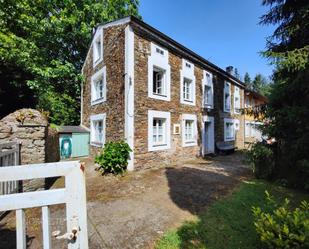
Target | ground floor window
(229,130)
(189,130)
(158,130)
(253,129)
(97,129)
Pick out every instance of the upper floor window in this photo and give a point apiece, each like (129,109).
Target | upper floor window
(98,87)
(248,102)
(187,85)
(237,105)
(97,47)
(187,90)
(208,90)
(189,130)
(158,130)
(159,82)
(227,97)
(158,74)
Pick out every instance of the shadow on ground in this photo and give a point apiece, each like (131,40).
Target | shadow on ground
(8,238)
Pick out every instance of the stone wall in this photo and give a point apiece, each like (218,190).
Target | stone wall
(31,129)
(113,59)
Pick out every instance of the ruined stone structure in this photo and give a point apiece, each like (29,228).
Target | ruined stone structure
(39,143)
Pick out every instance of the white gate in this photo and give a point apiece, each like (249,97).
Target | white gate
(9,156)
(73,195)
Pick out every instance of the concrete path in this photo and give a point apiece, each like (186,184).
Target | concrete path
(133,211)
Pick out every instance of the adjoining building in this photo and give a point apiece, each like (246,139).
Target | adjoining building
(167,102)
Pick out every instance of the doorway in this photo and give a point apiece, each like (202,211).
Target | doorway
(208,135)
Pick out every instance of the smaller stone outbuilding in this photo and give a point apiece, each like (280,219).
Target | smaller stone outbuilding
(39,143)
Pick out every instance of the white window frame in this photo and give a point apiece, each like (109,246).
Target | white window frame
(159,60)
(248,102)
(237,105)
(189,117)
(247,129)
(187,72)
(94,118)
(230,121)
(227,89)
(209,84)
(160,115)
(97,58)
(94,79)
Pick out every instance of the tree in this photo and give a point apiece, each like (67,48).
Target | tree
(236,73)
(287,111)
(43,46)
(261,85)
(247,80)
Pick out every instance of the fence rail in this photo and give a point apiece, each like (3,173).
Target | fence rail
(9,156)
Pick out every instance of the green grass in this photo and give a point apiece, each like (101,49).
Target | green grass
(228,223)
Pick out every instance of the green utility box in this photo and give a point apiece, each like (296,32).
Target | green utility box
(73,141)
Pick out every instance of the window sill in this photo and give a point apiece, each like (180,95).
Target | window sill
(206,106)
(97,62)
(159,147)
(187,102)
(189,143)
(159,97)
(97,101)
(96,144)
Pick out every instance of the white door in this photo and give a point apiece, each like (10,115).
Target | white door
(208,135)
(73,195)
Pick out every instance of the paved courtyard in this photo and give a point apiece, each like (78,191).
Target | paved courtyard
(134,210)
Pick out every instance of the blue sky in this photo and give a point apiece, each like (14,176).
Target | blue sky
(226,32)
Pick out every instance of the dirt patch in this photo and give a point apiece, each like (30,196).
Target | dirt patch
(134,210)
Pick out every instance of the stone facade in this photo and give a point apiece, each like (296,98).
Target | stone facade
(114,106)
(39,144)
(113,59)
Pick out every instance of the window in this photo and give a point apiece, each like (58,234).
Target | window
(237,100)
(247,129)
(187,84)
(253,129)
(97,129)
(227,97)
(158,74)
(229,130)
(97,47)
(158,130)
(98,87)
(158,135)
(159,81)
(187,90)
(207,90)
(248,104)
(189,130)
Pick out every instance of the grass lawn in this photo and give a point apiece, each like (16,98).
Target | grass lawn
(228,223)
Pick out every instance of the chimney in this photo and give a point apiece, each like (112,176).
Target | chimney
(229,69)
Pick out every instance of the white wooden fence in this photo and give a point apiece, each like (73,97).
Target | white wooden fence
(9,156)
(73,195)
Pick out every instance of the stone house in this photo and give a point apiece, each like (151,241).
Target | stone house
(167,102)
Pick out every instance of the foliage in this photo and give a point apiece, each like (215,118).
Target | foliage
(261,157)
(261,85)
(283,227)
(287,110)
(43,46)
(247,80)
(228,223)
(114,157)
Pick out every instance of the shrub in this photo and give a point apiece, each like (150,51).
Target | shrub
(262,160)
(283,227)
(114,157)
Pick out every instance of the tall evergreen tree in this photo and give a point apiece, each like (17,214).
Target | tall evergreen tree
(288,110)
(247,80)
(42,48)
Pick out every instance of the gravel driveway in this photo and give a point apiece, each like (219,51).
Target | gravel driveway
(134,210)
